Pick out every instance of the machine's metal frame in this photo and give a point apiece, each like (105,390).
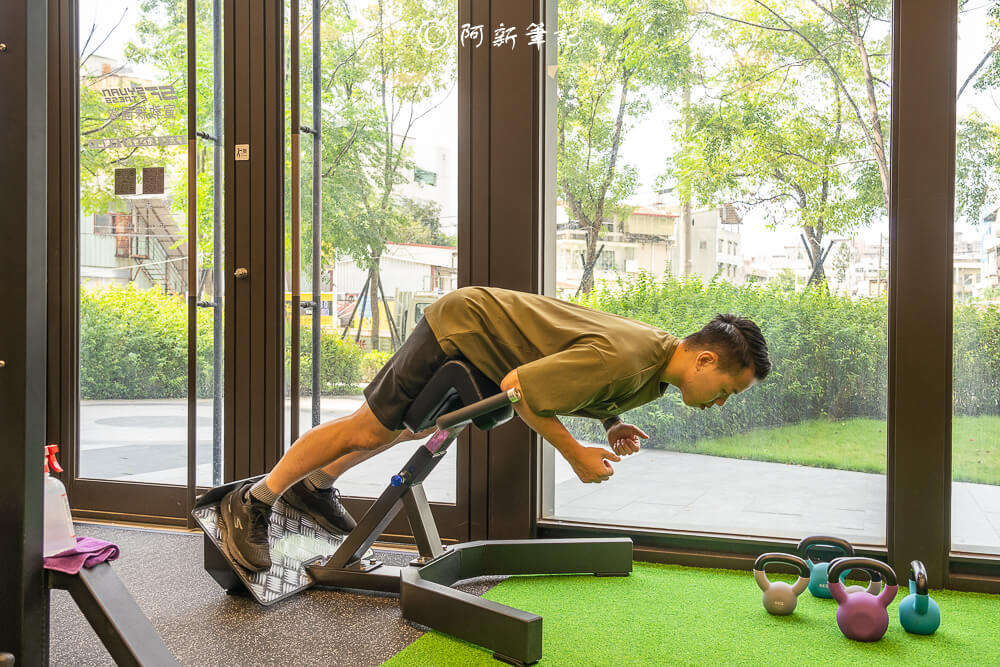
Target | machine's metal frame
(425,586)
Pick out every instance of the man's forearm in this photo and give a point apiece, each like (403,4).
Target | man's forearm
(549,428)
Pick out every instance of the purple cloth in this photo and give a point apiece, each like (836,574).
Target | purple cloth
(88,552)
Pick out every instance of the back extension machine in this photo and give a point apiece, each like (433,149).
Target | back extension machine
(456,395)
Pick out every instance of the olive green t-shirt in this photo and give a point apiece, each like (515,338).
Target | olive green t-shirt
(570,360)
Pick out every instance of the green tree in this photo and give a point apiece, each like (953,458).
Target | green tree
(608,79)
(424,223)
(379,81)
(792,118)
(977,165)
(160,41)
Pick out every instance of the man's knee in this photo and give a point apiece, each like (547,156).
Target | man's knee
(368,431)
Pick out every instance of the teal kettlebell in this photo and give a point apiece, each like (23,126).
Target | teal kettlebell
(918,613)
(818,584)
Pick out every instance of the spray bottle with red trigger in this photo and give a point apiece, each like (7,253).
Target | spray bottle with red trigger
(59,533)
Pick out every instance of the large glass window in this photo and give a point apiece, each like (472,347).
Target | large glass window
(387,201)
(734,158)
(975,517)
(134,245)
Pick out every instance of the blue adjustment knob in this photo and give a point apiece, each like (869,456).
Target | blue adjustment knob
(397,480)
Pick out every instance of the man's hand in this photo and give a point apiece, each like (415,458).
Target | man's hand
(590,465)
(625,438)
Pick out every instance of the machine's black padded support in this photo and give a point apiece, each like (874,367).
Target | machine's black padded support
(455,385)
(514,636)
(116,618)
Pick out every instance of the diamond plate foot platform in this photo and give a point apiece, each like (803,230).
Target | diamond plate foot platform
(294,538)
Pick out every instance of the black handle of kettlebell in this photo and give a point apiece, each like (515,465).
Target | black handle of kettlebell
(826,541)
(787,559)
(841,565)
(918,573)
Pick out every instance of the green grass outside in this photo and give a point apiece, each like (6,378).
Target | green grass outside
(858,444)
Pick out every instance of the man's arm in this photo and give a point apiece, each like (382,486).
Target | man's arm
(588,462)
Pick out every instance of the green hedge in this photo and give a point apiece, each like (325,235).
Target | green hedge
(339,367)
(133,345)
(830,356)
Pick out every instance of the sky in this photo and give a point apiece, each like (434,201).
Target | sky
(646,145)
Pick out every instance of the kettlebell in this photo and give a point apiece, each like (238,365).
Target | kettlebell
(780,598)
(817,571)
(918,612)
(861,615)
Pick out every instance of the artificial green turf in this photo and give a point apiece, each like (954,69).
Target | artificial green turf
(672,615)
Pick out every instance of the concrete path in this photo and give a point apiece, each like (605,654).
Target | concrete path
(145,441)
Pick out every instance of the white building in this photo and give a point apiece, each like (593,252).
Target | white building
(990,257)
(434,177)
(404,267)
(967,266)
(646,241)
(713,246)
(640,243)
(860,275)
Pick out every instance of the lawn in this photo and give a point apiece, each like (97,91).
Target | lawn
(859,444)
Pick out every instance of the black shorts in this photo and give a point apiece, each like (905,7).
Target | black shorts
(396,386)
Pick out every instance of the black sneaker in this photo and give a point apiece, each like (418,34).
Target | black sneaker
(243,522)
(323,505)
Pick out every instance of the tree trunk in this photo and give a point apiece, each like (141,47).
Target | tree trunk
(682,232)
(595,226)
(814,236)
(373,284)
(587,280)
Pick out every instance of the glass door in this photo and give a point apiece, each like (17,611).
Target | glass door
(150,294)
(709,166)
(372,200)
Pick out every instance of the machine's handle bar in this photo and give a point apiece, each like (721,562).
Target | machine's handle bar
(464,415)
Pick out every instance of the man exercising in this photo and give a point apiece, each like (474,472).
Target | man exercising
(565,359)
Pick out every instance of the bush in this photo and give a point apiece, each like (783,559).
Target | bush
(372,363)
(830,356)
(133,345)
(339,366)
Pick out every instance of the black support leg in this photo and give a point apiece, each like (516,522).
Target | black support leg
(116,618)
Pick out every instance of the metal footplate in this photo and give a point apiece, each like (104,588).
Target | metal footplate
(295,540)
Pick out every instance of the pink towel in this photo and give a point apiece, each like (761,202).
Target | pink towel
(88,552)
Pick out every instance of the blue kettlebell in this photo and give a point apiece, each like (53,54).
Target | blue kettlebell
(918,613)
(818,584)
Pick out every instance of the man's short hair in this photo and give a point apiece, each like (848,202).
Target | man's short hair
(737,340)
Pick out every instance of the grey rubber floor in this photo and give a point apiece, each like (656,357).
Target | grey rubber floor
(201,625)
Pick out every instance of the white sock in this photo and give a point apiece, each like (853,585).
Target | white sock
(262,493)
(320,480)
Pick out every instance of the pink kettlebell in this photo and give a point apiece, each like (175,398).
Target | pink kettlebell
(862,616)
